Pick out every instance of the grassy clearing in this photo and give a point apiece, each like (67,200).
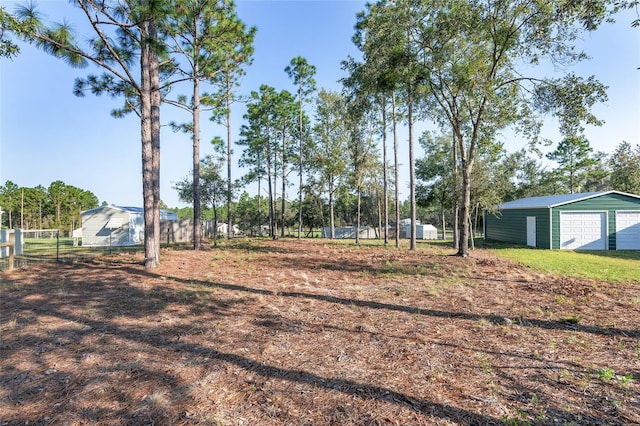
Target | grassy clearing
(609,266)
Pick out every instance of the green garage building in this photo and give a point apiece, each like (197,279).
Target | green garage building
(606,220)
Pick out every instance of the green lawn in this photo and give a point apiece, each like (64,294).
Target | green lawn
(610,265)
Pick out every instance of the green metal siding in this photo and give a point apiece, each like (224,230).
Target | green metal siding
(511,226)
(606,203)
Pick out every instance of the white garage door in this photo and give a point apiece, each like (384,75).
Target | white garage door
(628,230)
(583,231)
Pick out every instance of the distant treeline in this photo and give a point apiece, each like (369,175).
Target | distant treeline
(57,206)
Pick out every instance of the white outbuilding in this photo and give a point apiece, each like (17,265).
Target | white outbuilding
(426,232)
(423,232)
(116,226)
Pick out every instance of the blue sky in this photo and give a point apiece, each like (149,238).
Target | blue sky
(47,134)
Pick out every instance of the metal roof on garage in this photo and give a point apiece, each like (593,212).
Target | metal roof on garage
(556,200)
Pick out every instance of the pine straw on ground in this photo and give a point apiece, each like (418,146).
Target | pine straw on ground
(313,333)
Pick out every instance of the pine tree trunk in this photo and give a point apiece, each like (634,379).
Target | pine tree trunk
(412,174)
(196,159)
(332,222)
(154,73)
(275,196)
(380,215)
(22,209)
(270,184)
(396,166)
(300,165)
(284,183)
(259,205)
(358,216)
(228,101)
(385,172)
(147,153)
(215,228)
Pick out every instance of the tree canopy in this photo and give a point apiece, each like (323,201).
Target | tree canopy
(471,65)
(471,69)
(56,206)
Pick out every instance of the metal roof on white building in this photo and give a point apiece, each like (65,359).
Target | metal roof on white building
(164,214)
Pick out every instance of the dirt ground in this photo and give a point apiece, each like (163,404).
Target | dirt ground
(313,333)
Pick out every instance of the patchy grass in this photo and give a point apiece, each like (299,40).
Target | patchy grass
(260,332)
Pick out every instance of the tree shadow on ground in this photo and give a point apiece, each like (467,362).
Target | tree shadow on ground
(527,322)
(100,295)
(41,303)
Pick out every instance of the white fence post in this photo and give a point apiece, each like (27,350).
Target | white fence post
(8,245)
(19,243)
(4,238)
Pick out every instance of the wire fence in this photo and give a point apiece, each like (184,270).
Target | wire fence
(47,245)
